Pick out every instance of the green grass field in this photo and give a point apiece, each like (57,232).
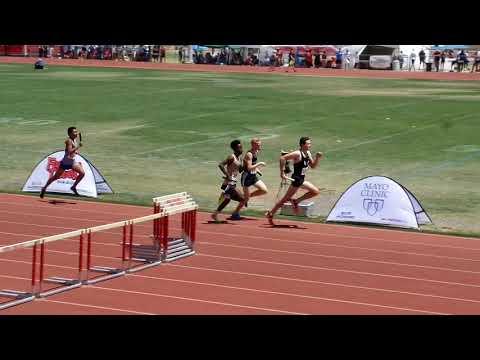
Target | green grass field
(156,132)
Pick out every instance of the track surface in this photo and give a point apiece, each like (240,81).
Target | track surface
(247,267)
(383,74)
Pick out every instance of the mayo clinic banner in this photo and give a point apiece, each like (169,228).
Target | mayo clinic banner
(379,200)
(91,185)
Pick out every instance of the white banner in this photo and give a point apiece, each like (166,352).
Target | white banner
(379,200)
(91,185)
(380,62)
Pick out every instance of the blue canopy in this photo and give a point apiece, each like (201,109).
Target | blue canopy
(449,47)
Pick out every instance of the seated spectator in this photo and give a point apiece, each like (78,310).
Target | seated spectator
(317,61)
(308,59)
(163,54)
(476,63)
(156,53)
(39,64)
(208,58)
(273,60)
(222,58)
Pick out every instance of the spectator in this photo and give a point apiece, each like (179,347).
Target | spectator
(347,59)
(401,59)
(155,53)
(412,60)
(308,59)
(338,58)
(421,57)
(436,60)
(476,63)
(462,61)
(162,55)
(180,55)
(208,58)
(39,64)
(443,55)
(201,58)
(317,60)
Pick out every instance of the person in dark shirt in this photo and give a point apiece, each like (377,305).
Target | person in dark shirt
(436,60)
(421,56)
(302,161)
(443,55)
(39,64)
(180,55)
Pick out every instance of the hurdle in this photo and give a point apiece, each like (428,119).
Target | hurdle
(133,257)
(175,248)
(37,273)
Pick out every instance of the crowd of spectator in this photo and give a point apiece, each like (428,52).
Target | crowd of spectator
(460,60)
(433,61)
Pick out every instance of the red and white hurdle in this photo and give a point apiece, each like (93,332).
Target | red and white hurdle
(175,248)
(133,256)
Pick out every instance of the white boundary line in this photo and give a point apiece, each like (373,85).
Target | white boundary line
(266,292)
(341,257)
(309,243)
(318,255)
(95,307)
(286,231)
(327,256)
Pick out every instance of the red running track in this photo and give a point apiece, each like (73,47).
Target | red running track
(323,72)
(248,267)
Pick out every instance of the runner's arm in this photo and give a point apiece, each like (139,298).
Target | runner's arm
(247,162)
(283,159)
(314,163)
(225,162)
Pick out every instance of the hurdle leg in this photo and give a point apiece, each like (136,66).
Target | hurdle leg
(66,284)
(145,258)
(109,272)
(89,255)
(34,269)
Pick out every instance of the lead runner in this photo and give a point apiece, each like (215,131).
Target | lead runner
(302,160)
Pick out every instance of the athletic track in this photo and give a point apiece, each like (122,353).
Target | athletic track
(385,74)
(248,267)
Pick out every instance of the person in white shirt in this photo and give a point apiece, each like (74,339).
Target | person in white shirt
(476,62)
(412,60)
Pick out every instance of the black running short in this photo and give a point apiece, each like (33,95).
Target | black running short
(65,166)
(298,180)
(249,179)
(231,192)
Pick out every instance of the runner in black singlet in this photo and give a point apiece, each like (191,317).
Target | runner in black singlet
(249,176)
(302,160)
(230,167)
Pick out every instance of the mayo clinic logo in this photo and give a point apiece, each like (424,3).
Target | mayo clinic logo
(372,206)
(373,197)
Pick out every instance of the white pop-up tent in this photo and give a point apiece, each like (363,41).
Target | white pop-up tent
(379,200)
(91,185)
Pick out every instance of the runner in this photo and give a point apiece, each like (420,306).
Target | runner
(302,160)
(68,162)
(249,175)
(230,167)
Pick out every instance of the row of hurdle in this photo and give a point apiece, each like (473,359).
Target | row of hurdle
(163,246)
